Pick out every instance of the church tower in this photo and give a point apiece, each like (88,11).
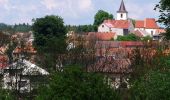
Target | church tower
(122,13)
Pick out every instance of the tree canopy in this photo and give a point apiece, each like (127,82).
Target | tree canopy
(101,16)
(49,33)
(75,84)
(164,9)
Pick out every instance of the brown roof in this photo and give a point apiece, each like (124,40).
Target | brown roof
(111,65)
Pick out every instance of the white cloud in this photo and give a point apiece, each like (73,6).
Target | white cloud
(2,2)
(69,8)
(49,4)
(141,11)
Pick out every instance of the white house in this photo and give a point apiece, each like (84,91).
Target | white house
(18,75)
(149,27)
(121,26)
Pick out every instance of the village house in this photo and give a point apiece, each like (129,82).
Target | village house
(148,27)
(21,76)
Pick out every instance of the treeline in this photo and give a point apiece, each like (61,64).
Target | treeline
(81,28)
(25,27)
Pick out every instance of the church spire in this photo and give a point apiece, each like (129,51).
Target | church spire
(122,8)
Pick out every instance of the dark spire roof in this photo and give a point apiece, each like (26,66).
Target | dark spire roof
(122,8)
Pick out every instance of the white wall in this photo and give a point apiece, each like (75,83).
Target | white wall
(103,28)
(125,16)
(149,31)
(117,31)
(139,29)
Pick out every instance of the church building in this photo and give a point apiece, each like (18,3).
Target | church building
(121,26)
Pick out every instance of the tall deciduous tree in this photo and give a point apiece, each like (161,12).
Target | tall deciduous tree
(100,17)
(49,33)
(164,9)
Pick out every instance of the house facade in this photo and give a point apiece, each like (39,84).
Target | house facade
(147,27)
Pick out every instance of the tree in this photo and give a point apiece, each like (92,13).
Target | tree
(75,84)
(164,9)
(129,37)
(100,17)
(6,95)
(49,33)
(146,38)
(153,86)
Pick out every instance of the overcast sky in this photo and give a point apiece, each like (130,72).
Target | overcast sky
(73,12)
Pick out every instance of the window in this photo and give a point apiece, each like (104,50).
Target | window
(121,15)
(102,25)
(110,29)
(152,33)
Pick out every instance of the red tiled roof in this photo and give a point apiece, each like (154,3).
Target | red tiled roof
(117,23)
(139,24)
(151,23)
(148,23)
(3,61)
(101,36)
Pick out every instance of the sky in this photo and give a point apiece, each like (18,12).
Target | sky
(74,12)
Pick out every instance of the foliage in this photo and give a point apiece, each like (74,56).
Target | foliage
(49,33)
(154,85)
(164,9)
(22,27)
(6,95)
(100,17)
(146,38)
(9,29)
(74,84)
(80,28)
(129,37)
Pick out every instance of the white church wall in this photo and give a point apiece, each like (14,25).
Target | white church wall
(103,28)
(122,16)
(118,31)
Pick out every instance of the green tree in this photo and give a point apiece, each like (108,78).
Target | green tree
(74,84)
(153,86)
(164,9)
(100,17)
(6,95)
(129,37)
(146,38)
(49,33)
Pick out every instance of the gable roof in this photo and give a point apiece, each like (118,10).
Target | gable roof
(148,23)
(122,8)
(117,23)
